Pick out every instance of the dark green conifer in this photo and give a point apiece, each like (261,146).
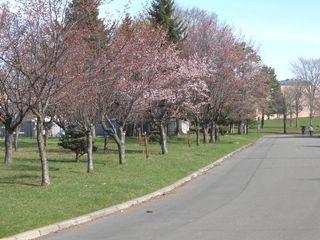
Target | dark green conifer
(162,12)
(85,15)
(76,141)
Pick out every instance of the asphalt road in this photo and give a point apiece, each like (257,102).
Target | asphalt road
(270,191)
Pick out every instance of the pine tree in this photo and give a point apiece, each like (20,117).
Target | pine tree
(85,14)
(75,140)
(274,90)
(162,13)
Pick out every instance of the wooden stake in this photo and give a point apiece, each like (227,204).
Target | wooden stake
(189,139)
(146,145)
(139,137)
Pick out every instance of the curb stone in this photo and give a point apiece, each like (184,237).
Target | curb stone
(46,230)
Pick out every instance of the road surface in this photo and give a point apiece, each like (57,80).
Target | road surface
(269,191)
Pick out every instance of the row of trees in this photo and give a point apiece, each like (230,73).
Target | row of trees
(61,63)
(301,92)
(305,88)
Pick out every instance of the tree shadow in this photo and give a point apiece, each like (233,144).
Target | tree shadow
(20,183)
(26,167)
(128,151)
(63,161)
(21,179)
(58,151)
(72,161)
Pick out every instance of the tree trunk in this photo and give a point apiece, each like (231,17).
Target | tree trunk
(89,150)
(310,115)
(163,139)
(285,123)
(42,152)
(241,128)
(216,133)
(205,134)
(77,158)
(106,142)
(198,133)
(297,117)
(8,146)
(212,133)
(122,147)
(120,140)
(178,127)
(16,137)
(310,120)
(291,119)
(262,120)
(45,137)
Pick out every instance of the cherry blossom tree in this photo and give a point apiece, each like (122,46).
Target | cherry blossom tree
(132,64)
(252,82)
(13,106)
(232,66)
(213,42)
(15,93)
(179,91)
(77,108)
(38,45)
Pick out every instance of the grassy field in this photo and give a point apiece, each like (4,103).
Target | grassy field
(26,205)
(276,125)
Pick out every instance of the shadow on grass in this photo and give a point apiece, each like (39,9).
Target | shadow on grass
(112,151)
(58,151)
(73,161)
(25,167)
(64,160)
(22,179)
(128,151)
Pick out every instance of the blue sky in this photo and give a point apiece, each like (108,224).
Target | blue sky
(284,30)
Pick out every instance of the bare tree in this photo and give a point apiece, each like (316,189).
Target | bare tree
(289,95)
(308,71)
(297,94)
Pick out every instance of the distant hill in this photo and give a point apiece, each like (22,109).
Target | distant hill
(286,82)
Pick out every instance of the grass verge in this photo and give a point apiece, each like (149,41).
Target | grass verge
(26,205)
(276,126)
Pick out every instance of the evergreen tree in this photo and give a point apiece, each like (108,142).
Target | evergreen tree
(76,141)
(162,12)
(85,14)
(127,24)
(274,90)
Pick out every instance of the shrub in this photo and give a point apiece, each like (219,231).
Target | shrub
(75,140)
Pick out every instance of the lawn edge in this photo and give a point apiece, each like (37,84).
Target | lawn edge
(64,225)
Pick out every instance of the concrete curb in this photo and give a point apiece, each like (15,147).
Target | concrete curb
(39,232)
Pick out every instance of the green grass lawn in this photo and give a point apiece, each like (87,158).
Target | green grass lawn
(25,205)
(276,125)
